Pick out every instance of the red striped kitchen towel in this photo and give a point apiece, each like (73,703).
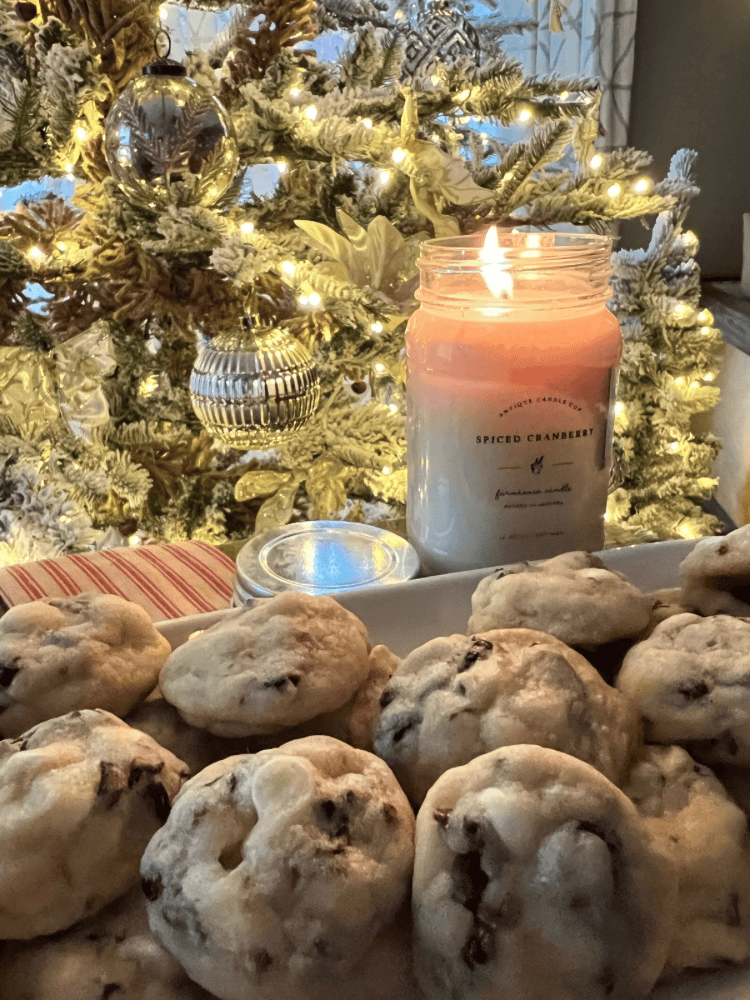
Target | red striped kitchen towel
(168,580)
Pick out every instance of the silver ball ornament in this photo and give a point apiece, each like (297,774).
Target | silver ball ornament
(254,387)
(168,141)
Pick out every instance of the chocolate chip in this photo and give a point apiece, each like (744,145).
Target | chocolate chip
(294,875)
(232,782)
(111,786)
(722,550)
(231,857)
(359,387)
(351,797)
(333,819)
(478,651)
(156,796)
(263,961)
(152,888)
(138,769)
(386,698)
(441,816)
(693,690)
(390,812)
(469,880)
(281,683)
(733,911)
(400,733)
(6,676)
(480,945)
(322,947)
(108,989)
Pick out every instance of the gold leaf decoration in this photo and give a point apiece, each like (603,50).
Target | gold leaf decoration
(326,486)
(258,483)
(26,391)
(278,509)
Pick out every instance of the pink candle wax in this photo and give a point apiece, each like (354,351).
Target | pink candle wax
(509,405)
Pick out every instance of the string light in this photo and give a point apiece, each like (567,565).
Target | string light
(36,253)
(596,161)
(619,408)
(314,299)
(311,112)
(295,92)
(695,385)
(367,122)
(681,382)
(398,15)
(704,317)
(303,300)
(524,116)
(386,470)
(376,327)
(379,367)
(398,155)
(148,385)
(614,190)
(642,185)
(674,446)
(82,133)
(282,166)
(435,80)
(435,137)
(62,247)
(508,175)
(247,227)
(564,95)
(709,377)
(463,96)
(705,330)
(68,167)
(689,531)
(385,176)
(392,407)
(288,267)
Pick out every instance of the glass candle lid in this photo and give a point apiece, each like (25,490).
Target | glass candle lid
(323,557)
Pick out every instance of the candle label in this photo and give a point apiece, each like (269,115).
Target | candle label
(523,473)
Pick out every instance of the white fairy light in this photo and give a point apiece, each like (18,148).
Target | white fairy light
(642,185)
(596,161)
(288,267)
(376,327)
(314,299)
(398,155)
(367,122)
(614,190)
(82,133)
(247,228)
(311,112)
(524,116)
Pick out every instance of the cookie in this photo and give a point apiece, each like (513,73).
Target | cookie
(276,871)
(66,653)
(196,747)
(692,818)
(455,698)
(572,596)
(269,667)
(112,955)
(715,576)
(80,797)
(535,877)
(691,681)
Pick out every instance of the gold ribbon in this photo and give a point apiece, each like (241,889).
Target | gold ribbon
(81,364)
(27,391)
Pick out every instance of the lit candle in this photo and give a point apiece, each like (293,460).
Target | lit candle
(512,363)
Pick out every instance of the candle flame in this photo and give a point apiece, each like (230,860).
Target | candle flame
(496,276)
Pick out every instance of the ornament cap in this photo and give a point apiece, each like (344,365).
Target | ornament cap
(164,67)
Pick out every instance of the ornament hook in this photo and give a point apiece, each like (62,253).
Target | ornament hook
(162,32)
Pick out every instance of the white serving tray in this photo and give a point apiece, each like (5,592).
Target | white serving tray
(406,615)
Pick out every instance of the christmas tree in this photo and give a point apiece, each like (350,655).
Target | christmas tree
(103,298)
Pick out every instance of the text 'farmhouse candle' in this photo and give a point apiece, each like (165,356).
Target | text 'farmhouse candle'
(512,364)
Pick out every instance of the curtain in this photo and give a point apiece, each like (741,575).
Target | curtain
(597,39)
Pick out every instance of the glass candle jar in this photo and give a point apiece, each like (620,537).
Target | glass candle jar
(512,365)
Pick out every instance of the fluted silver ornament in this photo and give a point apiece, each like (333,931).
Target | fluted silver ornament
(168,141)
(254,387)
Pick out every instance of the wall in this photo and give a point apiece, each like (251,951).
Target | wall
(691,87)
